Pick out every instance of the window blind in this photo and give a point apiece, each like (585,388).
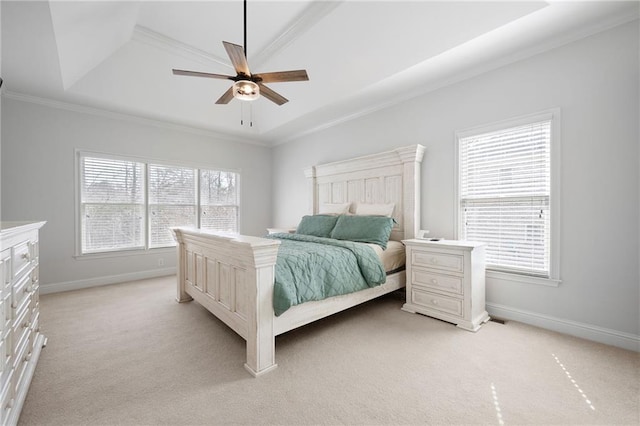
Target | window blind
(172,202)
(219,200)
(112,204)
(505,186)
(127,204)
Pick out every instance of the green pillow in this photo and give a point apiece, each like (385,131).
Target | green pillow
(319,225)
(363,229)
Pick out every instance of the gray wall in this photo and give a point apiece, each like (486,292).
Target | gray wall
(594,82)
(38,152)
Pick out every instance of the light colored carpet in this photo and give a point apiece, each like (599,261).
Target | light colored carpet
(129,354)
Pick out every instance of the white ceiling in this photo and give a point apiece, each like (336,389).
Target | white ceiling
(360,55)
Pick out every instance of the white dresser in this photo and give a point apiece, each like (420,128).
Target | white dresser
(446,280)
(21,340)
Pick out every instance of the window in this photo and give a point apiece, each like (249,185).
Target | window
(112,208)
(218,200)
(131,204)
(505,194)
(172,202)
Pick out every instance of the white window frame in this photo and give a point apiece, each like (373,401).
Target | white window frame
(554,198)
(146,250)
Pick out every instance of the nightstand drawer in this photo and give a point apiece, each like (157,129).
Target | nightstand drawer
(435,281)
(445,262)
(434,301)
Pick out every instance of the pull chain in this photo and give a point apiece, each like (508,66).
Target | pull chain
(243,113)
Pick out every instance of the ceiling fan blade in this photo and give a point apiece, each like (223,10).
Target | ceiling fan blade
(226,97)
(281,76)
(236,54)
(271,95)
(202,74)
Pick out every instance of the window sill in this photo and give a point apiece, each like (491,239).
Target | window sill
(124,253)
(522,279)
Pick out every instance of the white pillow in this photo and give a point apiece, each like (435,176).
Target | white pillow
(363,209)
(341,208)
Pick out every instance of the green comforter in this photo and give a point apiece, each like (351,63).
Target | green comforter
(314,268)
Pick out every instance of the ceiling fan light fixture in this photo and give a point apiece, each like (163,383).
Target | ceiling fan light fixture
(246,90)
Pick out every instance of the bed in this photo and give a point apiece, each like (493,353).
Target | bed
(232,276)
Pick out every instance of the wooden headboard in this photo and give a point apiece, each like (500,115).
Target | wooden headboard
(387,177)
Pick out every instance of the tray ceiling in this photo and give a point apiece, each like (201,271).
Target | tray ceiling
(360,55)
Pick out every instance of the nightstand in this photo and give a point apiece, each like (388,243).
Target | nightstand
(446,280)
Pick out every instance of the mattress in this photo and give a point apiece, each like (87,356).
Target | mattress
(393,258)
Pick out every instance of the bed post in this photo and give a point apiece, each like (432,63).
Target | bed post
(310,174)
(411,157)
(261,339)
(181,266)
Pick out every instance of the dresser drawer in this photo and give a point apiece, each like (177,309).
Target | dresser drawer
(5,268)
(35,327)
(6,399)
(431,280)
(439,303)
(21,291)
(21,330)
(20,365)
(4,356)
(21,258)
(6,351)
(433,260)
(5,311)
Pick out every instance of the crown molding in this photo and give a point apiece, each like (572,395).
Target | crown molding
(172,46)
(132,118)
(310,16)
(470,72)
(305,20)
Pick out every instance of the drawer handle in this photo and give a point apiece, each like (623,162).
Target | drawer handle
(434,281)
(27,357)
(434,301)
(26,256)
(28,289)
(34,279)
(26,324)
(10,403)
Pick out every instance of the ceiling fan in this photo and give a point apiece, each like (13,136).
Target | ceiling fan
(248,86)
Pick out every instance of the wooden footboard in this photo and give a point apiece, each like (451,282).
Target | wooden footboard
(233,278)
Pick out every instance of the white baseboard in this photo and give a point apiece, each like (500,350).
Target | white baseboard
(110,279)
(573,328)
